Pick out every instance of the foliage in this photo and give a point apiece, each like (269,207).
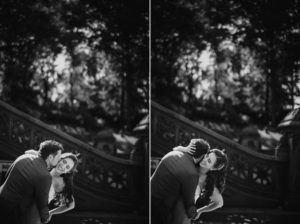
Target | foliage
(208,52)
(76,56)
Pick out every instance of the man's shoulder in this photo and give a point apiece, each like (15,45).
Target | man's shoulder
(34,161)
(176,156)
(175,153)
(26,157)
(183,159)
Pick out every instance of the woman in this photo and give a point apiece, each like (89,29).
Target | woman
(61,191)
(211,183)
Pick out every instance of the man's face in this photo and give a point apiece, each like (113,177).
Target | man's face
(54,159)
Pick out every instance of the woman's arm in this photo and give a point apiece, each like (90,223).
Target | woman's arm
(32,152)
(179,148)
(187,191)
(41,188)
(62,209)
(217,202)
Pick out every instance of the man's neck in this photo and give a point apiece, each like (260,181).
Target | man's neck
(196,161)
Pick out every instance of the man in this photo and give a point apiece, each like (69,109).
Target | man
(176,176)
(28,180)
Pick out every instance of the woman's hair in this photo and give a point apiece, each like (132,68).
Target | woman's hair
(215,178)
(65,196)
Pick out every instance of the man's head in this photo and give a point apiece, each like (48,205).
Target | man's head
(198,148)
(50,151)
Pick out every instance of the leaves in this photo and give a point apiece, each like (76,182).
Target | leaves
(208,51)
(69,53)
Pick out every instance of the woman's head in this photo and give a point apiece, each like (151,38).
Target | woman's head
(214,160)
(67,164)
(66,167)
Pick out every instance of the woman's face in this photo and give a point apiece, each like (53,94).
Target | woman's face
(64,165)
(209,160)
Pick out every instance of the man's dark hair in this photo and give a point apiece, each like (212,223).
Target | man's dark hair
(198,147)
(49,147)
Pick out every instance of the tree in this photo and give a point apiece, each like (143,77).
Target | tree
(124,36)
(262,31)
(104,46)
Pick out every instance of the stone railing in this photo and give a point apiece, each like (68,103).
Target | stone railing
(118,182)
(250,172)
(249,216)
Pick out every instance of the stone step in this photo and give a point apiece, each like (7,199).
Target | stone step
(249,216)
(99,218)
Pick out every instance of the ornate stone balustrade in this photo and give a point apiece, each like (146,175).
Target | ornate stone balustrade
(117,180)
(249,171)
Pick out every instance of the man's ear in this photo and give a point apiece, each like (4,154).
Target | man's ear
(50,157)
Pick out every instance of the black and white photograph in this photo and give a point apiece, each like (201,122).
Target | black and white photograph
(149,111)
(225,111)
(74,112)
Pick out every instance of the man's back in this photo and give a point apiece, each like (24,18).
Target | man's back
(27,172)
(175,175)
(28,181)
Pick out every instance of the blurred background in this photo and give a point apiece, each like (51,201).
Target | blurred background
(77,71)
(228,71)
(81,66)
(232,66)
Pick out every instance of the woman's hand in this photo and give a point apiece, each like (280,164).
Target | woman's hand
(50,216)
(198,215)
(48,220)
